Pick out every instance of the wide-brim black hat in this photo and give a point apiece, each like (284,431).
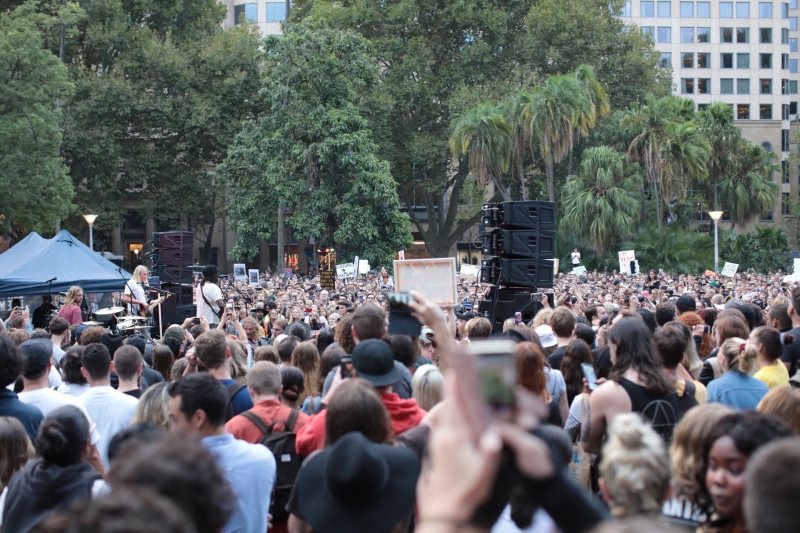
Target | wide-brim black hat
(357,485)
(301,330)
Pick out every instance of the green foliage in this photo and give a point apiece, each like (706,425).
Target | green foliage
(764,249)
(313,151)
(35,190)
(746,192)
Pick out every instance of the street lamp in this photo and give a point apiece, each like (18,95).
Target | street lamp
(90,220)
(716,215)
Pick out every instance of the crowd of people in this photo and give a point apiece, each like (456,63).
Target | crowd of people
(644,403)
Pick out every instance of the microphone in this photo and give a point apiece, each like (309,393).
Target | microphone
(49,280)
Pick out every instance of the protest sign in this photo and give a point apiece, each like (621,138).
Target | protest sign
(253,275)
(797,270)
(579,270)
(401,255)
(625,258)
(239,272)
(345,270)
(468,271)
(363,267)
(327,280)
(435,279)
(729,269)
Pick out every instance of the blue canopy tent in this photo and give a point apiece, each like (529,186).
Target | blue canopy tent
(25,271)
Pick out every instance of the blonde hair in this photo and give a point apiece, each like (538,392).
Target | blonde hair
(238,360)
(783,403)
(137,272)
(428,386)
(635,467)
(739,355)
(689,442)
(508,324)
(153,406)
(542,318)
(305,356)
(69,299)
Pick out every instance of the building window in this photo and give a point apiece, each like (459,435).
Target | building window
(784,35)
(703,35)
(646,9)
(626,9)
(765,35)
(704,10)
(703,60)
(649,32)
(742,10)
(687,10)
(726,10)
(664,34)
(743,111)
(784,10)
(276,11)
(742,35)
(792,4)
(765,111)
(765,10)
(726,60)
(792,109)
(666,60)
(726,86)
(766,216)
(766,86)
(784,140)
(687,35)
(766,146)
(784,86)
(765,60)
(665,9)
(687,85)
(785,171)
(743,86)
(785,114)
(703,86)
(793,44)
(784,61)
(245,11)
(793,23)
(792,86)
(687,60)
(793,65)
(785,208)
(742,60)
(726,35)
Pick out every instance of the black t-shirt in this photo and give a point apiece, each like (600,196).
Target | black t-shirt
(136,393)
(556,357)
(791,353)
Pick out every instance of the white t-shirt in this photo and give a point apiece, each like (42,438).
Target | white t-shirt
(72,389)
(576,258)
(111,410)
(138,294)
(58,353)
(54,378)
(48,400)
(212,293)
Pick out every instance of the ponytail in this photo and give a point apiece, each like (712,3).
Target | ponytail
(739,355)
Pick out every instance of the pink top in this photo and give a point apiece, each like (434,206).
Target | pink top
(71,313)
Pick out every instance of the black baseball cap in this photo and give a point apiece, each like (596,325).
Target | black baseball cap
(37,353)
(374,362)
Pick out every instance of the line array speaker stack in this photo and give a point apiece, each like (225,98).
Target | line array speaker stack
(172,263)
(520,239)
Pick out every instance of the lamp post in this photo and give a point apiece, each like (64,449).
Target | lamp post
(716,215)
(90,220)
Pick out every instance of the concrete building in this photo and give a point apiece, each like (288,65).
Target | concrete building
(268,15)
(741,53)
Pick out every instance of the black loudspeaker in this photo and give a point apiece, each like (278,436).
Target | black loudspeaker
(173,257)
(172,312)
(509,301)
(532,272)
(520,243)
(183,293)
(173,274)
(520,215)
(183,240)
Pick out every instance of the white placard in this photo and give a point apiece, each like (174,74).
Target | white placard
(729,269)
(625,258)
(239,272)
(355,262)
(363,266)
(796,270)
(468,270)
(345,270)
(401,255)
(579,270)
(253,275)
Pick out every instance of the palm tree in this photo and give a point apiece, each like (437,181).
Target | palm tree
(685,252)
(522,141)
(600,106)
(601,203)
(716,123)
(484,135)
(685,152)
(747,192)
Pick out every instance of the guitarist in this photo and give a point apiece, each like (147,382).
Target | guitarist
(209,297)
(134,294)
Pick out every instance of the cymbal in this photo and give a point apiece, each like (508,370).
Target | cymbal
(93,323)
(142,327)
(135,317)
(110,311)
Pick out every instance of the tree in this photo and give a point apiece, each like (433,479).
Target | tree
(312,150)
(748,192)
(602,203)
(716,123)
(35,189)
(484,135)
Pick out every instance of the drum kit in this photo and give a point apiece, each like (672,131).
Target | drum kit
(126,325)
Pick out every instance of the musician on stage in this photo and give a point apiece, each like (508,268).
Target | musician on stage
(134,295)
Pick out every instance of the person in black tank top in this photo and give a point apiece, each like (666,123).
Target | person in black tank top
(661,410)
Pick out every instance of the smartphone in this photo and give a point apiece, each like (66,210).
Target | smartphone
(588,373)
(536,297)
(517,318)
(346,366)
(707,330)
(196,321)
(497,375)
(361,297)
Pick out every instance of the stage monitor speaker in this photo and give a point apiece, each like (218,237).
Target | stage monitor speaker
(521,243)
(173,274)
(183,240)
(183,293)
(172,257)
(533,272)
(510,301)
(172,313)
(533,215)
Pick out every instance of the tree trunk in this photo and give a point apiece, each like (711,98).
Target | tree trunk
(551,189)
(716,182)
(209,234)
(280,240)
(522,185)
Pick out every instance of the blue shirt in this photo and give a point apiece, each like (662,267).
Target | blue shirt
(250,469)
(29,415)
(242,401)
(738,390)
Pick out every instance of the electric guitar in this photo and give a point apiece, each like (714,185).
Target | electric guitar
(147,310)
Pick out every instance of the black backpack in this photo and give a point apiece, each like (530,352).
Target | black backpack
(282,446)
(232,391)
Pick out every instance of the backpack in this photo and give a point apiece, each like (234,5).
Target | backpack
(232,391)
(282,446)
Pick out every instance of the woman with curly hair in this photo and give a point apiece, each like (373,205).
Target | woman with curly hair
(703,343)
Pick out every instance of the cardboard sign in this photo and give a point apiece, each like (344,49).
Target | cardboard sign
(239,272)
(363,266)
(435,279)
(401,255)
(345,270)
(327,279)
(579,270)
(729,269)
(468,271)
(253,275)
(355,262)
(625,258)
